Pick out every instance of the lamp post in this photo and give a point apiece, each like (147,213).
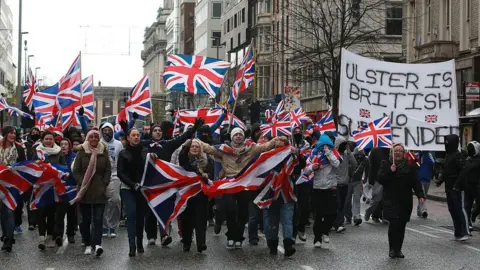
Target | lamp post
(26,59)
(37,68)
(19,63)
(218,45)
(29,56)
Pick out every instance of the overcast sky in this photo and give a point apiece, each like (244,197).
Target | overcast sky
(109,33)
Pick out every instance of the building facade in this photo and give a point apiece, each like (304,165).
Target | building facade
(7,68)
(109,100)
(443,30)
(154,57)
(208,28)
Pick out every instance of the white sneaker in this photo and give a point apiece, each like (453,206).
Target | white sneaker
(113,235)
(317,244)
(98,250)
(325,239)
(238,245)
(104,234)
(151,242)
(462,239)
(230,244)
(88,250)
(302,236)
(341,229)
(41,242)
(50,243)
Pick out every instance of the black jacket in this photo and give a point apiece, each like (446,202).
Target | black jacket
(454,162)
(21,153)
(470,175)
(362,166)
(397,190)
(375,158)
(131,165)
(165,148)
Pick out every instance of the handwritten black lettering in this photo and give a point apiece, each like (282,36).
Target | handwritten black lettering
(381,75)
(401,120)
(412,78)
(431,101)
(344,125)
(446,100)
(433,80)
(409,135)
(423,135)
(373,79)
(365,93)
(354,92)
(414,100)
(395,133)
(356,75)
(379,95)
(439,135)
(353,71)
(447,77)
(394,79)
(396,97)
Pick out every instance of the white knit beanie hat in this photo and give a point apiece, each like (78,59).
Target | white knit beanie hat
(236,131)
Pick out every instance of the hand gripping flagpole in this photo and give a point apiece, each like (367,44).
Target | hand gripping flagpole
(232,89)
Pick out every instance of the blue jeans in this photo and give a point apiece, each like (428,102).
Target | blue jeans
(279,212)
(7,219)
(92,212)
(254,217)
(136,207)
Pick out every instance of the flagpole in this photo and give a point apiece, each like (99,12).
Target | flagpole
(241,82)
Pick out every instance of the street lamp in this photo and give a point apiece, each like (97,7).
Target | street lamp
(218,45)
(37,68)
(19,63)
(29,56)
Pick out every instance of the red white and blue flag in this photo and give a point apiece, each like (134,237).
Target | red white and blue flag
(69,96)
(252,177)
(45,103)
(280,185)
(374,134)
(50,186)
(87,98)
(12,185)
(13,111)
(167,188)
(230,117)
(326,123)
(209,116)
(139,101)
(276,128)
(245,75)
(194,74)
(30,88)
(298,117)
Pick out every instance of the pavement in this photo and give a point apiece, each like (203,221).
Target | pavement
(428,245)
(436,193)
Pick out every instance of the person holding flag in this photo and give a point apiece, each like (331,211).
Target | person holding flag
(10,153)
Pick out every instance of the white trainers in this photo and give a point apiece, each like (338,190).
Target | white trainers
(113,235)
(317,244)
(341,229)
(325,239)
(98,250)
(238,245)
(230,244)
(151,242)
(302,236)
(41,242)
(49,242)
(88,250)
(462,239)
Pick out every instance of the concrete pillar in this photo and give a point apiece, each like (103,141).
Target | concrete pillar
(99,111)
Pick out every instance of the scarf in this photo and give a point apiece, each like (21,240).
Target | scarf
(43,152)
(401,163)
(92,164)
(8,156)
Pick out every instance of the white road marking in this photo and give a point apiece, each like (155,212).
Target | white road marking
(306,267)
(424,233)
(472,248)
(50,268)
(62,249)
(436,229)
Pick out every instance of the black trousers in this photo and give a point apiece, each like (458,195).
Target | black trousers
(342,199)
(151,225)
(195,218)
(396,234)
(456,208)
(236,214)
(325,201)
(301,212)
(470,196)
(65,209)
(46,219)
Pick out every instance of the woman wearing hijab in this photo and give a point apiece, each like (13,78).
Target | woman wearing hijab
(49,152)
(192,158)
(131,164)
(92,171)
(10,153)
(398,178)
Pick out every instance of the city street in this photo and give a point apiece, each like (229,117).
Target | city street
(428,245)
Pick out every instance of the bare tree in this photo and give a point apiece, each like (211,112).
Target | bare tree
(318,29)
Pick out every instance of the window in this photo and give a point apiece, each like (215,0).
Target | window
(394,20)
(216,38)
(239,39)
(469,9)
(228,25)
(429,18)
(225,28)
(447,13)
(122,104)
(107,104)
(235,21)
(243,15)
(201,15)
(263,81)
(216,10)
(231,43)
(267,33)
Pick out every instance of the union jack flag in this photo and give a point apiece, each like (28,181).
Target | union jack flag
(45,104)
(30,88)
(269,114)
(167,188)
(87,98)
(176,124)
(276,128)
(298,116)
(48,188)
(364,113)
(139,101)
(69,97)
(326,123)
(431,118)
(245,75)
(279,184)
(194,74)
(12,185)
(374,134)
(280,111)
(209,116)
(235,121)
(251,177)
(13,111)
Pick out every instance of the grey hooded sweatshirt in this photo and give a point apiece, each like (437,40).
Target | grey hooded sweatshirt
(346,166)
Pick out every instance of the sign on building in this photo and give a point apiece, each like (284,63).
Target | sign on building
(421,99)
(472,90)
(292,98)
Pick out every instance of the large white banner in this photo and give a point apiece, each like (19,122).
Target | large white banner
(421,99)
